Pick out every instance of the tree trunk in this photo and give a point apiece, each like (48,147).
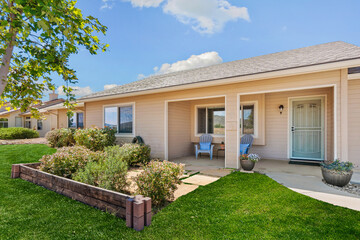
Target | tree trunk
(5,66)
(5,62)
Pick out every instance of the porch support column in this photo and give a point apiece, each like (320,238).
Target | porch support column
(344,115)
(231,141)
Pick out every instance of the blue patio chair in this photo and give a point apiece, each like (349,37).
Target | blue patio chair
(204,146)
(246,143)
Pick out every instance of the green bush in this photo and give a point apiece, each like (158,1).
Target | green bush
(110,136)
(109,174)
(136,153)
(62,137)
(68,160)
(18,133)
(95,139)
(159,181)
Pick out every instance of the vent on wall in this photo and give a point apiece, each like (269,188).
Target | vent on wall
(354,70)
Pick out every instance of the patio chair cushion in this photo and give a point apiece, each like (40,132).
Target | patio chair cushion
(244,148)
(205,146)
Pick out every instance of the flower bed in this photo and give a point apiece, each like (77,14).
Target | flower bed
(136,210)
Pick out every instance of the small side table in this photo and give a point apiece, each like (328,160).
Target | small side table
(217,152)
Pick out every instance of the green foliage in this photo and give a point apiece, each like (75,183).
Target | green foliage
(135,154)
(92,138)
(18,133)
(68,160)
(109,173)
(218,125)
(38,37)
(159,181)
(338,166)
(62,137)
(110,136)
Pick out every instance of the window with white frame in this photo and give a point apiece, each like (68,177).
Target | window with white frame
(76,120)
(211,120)
(28,122)
(248,118)
(4,123)
(119,118)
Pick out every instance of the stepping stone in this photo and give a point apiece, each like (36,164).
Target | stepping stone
(200,180)
(184,189)
(221,172)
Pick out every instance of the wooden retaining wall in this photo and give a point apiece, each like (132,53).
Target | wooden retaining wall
(136,210)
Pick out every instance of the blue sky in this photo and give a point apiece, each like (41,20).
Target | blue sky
(144,34)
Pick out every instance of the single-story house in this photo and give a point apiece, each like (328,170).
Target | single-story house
(297,104)
(53,113)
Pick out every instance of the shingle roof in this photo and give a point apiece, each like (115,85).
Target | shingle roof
(3,110)
(301,57)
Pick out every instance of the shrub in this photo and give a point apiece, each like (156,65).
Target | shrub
(136,153)
(62,137)
(159,181)
(338,166)
(18,133)
(95,139)
(68,160)
(92,138)
(109,174)
(110,136)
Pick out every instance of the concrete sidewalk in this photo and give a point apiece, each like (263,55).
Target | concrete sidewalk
(307,180)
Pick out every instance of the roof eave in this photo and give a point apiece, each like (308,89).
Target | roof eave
(323,67)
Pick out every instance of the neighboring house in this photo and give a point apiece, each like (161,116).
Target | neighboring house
(298,104)
(54,116)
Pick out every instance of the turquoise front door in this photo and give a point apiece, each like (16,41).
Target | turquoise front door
(307,129)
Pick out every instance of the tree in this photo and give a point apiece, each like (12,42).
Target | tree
(37,37)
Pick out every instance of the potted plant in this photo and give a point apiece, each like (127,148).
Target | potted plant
(248,161)
(222,145)
(336,172)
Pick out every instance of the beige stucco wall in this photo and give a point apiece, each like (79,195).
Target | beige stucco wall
(179,129)
(276,124)
(354,122)
(150,111)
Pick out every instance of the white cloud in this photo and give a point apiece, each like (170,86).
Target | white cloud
(145,3)
(205,16)
(195,61)
(109,86)
(78,91)
(107,4)
(244,39)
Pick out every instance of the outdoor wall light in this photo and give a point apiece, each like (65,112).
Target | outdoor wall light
(281,108)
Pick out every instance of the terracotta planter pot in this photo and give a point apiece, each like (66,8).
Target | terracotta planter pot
(336,178)
(247,165)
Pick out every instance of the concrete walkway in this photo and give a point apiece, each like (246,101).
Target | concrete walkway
(307,180)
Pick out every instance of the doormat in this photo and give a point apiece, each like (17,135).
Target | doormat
(305,162)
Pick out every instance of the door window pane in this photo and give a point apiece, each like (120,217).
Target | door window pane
(126,119)
(110,117)
(80,120)
(201,120)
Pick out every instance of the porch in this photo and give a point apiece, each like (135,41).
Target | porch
(285,125)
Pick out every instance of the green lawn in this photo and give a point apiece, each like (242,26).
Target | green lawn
(237,206)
